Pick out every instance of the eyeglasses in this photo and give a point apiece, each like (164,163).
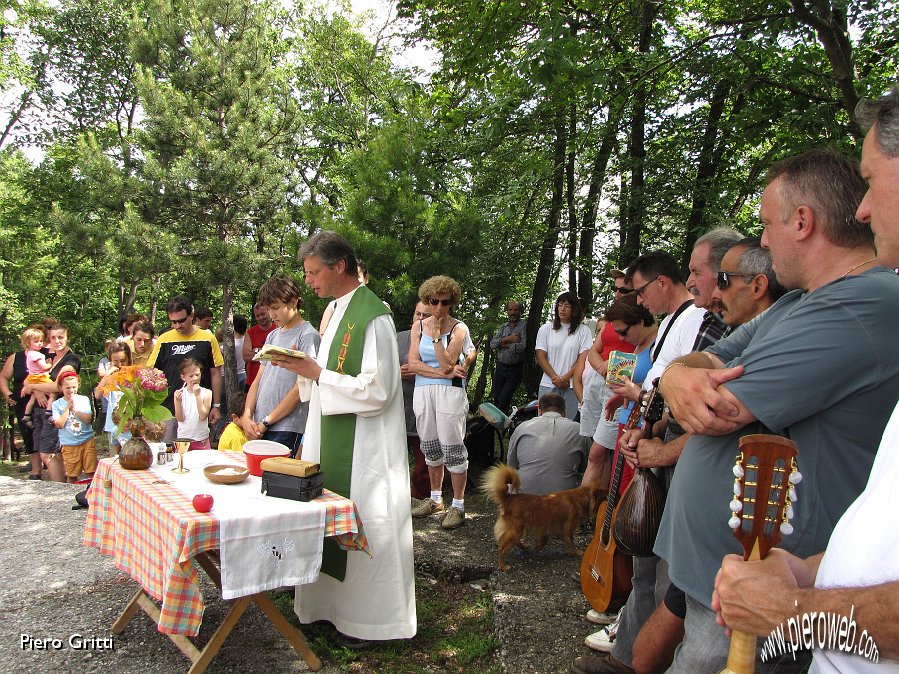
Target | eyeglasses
(642,289)
(623,332)
(434,302)
(624,290)
(724,278)
(179,321)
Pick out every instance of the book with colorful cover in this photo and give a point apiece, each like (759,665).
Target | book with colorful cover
(621,365)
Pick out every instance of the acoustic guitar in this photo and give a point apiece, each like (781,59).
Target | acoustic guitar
(765,476)
(605,570)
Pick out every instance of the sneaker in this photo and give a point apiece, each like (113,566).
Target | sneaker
(604,639)
(426,508)
(598,618)
(454,519)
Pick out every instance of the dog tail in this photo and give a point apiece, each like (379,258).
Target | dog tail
(496,481)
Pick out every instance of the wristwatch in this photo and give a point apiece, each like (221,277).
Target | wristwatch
(265,422)
(216,405)
(435,341)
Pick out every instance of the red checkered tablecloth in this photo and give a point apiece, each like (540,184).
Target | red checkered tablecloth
(153,532)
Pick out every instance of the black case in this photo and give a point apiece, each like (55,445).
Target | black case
(291,486)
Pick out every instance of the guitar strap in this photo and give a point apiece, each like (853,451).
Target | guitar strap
(683,307)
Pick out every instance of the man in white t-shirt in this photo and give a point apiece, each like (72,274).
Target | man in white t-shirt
(859,571)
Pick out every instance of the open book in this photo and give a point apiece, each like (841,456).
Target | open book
(269,351)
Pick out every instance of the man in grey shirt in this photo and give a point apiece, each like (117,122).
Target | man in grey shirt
(509,344)
(548,451)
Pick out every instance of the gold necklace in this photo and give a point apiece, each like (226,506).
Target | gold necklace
(873,259)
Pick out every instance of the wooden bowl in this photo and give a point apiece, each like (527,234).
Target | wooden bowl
(213,475)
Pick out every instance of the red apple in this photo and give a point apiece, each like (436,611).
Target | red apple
(203,503)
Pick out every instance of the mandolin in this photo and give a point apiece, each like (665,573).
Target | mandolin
(765,476)
(605,570)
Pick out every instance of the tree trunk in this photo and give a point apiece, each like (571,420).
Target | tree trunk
(707,168)
(229,382)
(637,143)
(591,209)
(532,372)
(573,261)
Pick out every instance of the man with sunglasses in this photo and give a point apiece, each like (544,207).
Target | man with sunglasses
(186,340)
(509,344)
(746,285)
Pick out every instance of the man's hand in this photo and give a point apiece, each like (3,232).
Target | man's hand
(215,415)
(559,382)
(647,454)
(509,339)
(305,367)
(697,402)
(756,597)
(254,431)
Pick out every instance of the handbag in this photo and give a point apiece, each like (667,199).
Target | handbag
(640,514)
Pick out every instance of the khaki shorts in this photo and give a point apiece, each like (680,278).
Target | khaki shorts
(80,458)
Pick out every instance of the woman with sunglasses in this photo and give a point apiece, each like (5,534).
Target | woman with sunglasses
(636,325)
(440,401)
(561,350)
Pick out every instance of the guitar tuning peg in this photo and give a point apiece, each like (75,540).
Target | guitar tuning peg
(792,494)
(733,522)
(736,506)
(795,477)
(738,470)
(788,513)
(786,528)
(737,489)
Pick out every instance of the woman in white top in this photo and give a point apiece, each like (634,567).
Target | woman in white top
(561,350)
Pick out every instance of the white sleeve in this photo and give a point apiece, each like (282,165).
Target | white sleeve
(542,337)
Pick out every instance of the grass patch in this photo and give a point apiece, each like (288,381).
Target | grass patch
(455,634)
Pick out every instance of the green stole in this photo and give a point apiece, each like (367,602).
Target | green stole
(338,431)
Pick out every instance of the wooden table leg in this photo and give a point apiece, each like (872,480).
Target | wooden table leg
(218,638)
(291,633)
(122,621)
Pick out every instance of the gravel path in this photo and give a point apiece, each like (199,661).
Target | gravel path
(54,588)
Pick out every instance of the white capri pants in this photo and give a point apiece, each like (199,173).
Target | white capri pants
(440,413)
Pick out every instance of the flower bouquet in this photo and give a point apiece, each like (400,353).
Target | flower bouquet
(143,390)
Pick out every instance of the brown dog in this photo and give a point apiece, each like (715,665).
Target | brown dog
(559,514)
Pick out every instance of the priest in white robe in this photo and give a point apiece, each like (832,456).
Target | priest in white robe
(376,599)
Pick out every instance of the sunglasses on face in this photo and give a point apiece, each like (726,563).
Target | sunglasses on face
(724,278)
(623,290)
(434,302)
(179,321)
(623,332)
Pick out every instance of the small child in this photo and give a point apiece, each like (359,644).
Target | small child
(38,367)
(119,355)
(192,405)
(72,415)
(233,437)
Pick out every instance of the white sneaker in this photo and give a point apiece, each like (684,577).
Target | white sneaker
(604,639)
(598,618)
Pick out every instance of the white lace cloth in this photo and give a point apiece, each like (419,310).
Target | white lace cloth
(266,542)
